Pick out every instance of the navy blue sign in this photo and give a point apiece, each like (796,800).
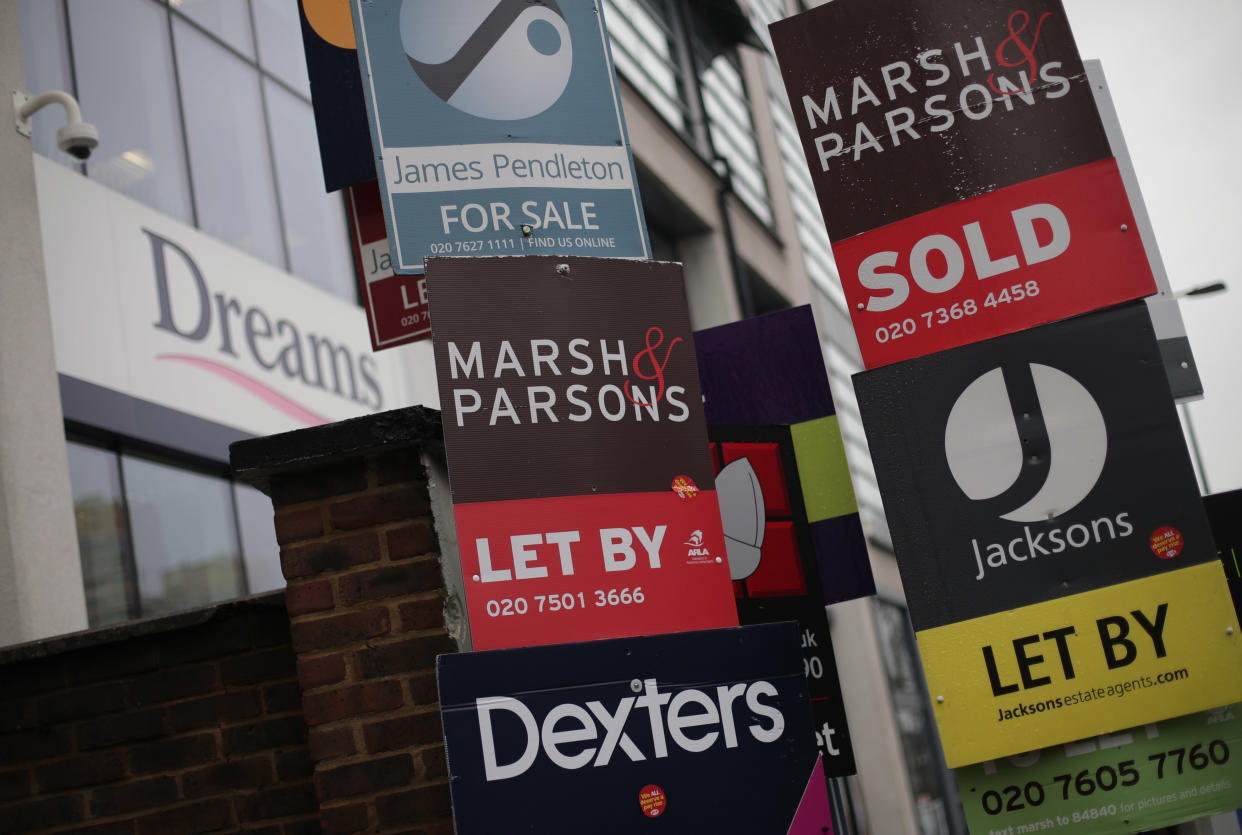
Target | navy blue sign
(705,731)
(336,95)
(497,129)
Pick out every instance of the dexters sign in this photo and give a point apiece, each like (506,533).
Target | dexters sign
(497,129)
(690,732)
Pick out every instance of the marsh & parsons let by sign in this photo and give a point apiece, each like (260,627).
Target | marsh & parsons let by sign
(962,170)
(497,129)
(578,459)
(602,737)
(1033,474)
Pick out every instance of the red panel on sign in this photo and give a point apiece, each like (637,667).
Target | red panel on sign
(765,460)
(396,305)
(780,569)
(580,568)
(1042,250)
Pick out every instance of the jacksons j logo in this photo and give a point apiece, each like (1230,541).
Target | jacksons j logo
(1030,442)
(1037,465)
(505,61)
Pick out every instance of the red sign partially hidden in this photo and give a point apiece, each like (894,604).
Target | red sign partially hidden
(1021,256)
(396,305)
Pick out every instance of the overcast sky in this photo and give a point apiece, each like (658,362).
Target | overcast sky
(1173,75)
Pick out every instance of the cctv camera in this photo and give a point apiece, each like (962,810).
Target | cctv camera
(77,139)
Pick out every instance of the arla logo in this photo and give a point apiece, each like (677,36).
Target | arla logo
(695,540)
(1029,439)
(496,60)
(693,720)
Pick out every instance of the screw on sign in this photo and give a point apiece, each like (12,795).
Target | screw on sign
(1167,542)
(652,800)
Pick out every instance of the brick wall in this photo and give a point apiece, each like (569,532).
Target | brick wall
(191,723)
(312,710)
(366,599)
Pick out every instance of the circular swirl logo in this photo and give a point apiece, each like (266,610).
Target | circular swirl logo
(494,59)
(990,442)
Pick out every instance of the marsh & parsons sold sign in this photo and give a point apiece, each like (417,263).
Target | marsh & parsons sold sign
(577,449)
(961,167)
(1059,570)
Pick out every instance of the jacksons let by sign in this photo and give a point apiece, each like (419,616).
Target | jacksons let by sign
(961,167)
(1050,536)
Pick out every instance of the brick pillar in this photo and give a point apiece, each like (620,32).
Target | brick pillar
(366,601)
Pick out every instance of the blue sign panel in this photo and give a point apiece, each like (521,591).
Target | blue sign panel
(688,732)
(497,129)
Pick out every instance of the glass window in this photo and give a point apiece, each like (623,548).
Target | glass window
(184,534)
(258,538)
(937,808)
(229,157)
(644,51)
(314,221)
(229,20)
(103,539)
(47,68)
(128,93)
(280,42)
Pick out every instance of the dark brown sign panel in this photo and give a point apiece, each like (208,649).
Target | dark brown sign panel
(577,448)
(904,107)
(961,167)
(1034,466)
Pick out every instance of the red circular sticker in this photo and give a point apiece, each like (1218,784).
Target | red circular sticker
(1167,543)
(652,800)
(684,487)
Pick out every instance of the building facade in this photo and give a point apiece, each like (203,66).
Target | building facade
(199,289)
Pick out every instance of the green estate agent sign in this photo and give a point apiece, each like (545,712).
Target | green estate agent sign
(497,129)
(1148,777)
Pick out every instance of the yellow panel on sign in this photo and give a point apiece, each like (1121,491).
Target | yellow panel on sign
(1086,664)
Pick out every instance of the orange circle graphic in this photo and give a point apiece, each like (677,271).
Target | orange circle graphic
(332,21)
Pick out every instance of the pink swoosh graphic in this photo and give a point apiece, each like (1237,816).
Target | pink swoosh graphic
(265,393)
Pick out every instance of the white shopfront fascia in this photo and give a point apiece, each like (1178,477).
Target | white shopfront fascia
(150,308)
